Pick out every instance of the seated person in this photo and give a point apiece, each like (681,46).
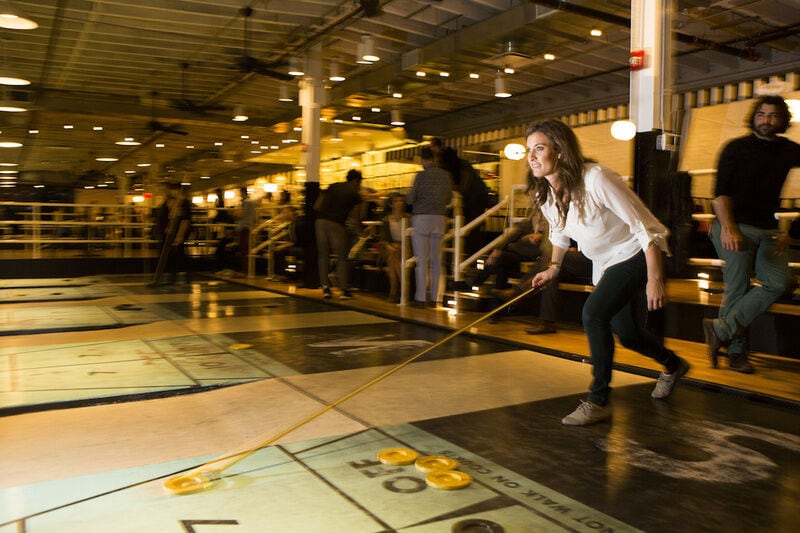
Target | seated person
(293,243)
(391,237)
(526,241)
(575,268)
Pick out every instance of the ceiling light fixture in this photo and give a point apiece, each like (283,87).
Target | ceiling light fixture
(295,67)
(9,77)
(421,74)
(360,55)
(474,75)
(368,49)
(283,93)
(444,74)
(14,18)
(596,32)
(514,151)
(500,90)
(239,114)
(549,57)
(397,118)
(128,141)
(334,74)
(7,74)
(623,130)
(11,107)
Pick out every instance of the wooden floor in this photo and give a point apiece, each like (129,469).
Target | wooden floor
(776,377)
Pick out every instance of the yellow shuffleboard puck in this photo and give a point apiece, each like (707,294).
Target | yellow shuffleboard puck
(397,456)
(241,346)
(188,483)
(448,479)
(429,463)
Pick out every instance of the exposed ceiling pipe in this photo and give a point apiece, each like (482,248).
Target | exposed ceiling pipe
(747,53)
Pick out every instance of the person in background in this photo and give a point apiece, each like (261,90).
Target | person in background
(575,268)
(174,222)
(292,245)
(333,207)
(750,175)
(590,204)
(468,182)
(430,193)
(391,239)
(524,242)
(246,220)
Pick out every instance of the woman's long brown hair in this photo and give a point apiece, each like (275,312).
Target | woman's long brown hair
(570,167)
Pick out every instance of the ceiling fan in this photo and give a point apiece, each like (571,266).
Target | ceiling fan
(184,103)
(159,127)
(247,63)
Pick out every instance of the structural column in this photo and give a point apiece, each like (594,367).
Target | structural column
(650,99)
(311,100)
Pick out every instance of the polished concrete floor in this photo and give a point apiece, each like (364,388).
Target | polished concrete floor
(110,387)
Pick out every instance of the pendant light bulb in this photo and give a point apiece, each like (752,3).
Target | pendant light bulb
(500,90)
(368,49)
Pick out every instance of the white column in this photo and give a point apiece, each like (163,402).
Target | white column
(311,100)
(651,86)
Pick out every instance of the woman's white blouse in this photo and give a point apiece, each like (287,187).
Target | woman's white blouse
(615,224)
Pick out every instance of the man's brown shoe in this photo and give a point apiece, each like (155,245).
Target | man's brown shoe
(713,342)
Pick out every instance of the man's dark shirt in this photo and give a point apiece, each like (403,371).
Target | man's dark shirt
(752,172)
(338,200)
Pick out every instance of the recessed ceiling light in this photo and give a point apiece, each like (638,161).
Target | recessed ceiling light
(474,75)
(596,32)
(68,126)
(549,57)
(33,132)
(10,144)
(107,159)
(421,74)
(97,128)
(159,145)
